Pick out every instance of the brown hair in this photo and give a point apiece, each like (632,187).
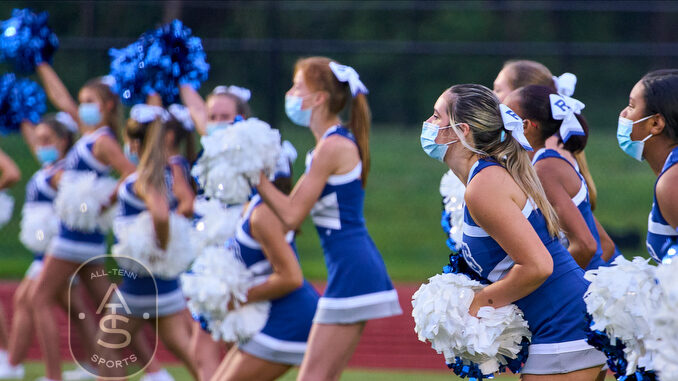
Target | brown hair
(524,72)
(478,107)
(319,77)
(104,92)
(152,161)
(61,131)
(182,136)
(242,108)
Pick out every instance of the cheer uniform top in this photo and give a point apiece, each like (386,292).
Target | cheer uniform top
(73,245)
(138,291)
(555,312)
(358,286)
(581,200)
(39,192)
(659,231)
(283,338)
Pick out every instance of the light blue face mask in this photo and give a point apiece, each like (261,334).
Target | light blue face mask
(47,154)
(131,156)
(213,127)
(633,148)
(429,132)
(89,113)
(295,113)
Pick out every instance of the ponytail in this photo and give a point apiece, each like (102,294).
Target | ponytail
(152,165)
(360,127)
(478,107)
(583,165)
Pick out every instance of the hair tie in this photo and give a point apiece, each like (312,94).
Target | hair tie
(514,124)
(181,114)
(565,84)
(108,80)
(348,74)
(563,108)
(143,113)
(502,137)
(242,93)
(67,120)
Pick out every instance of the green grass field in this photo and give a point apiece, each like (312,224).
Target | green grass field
(403,205)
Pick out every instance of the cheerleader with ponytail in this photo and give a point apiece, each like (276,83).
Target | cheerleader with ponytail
(332,192)
(151,231)
(83,181)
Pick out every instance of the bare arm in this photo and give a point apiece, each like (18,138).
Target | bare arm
(158,207)
(9,172)
(294,208)
(667,197)
(606,242)
(553,173)
(492,198)
(268,230)
(56,90)
(28,132)
(196,107)
(108,151)
(183,191)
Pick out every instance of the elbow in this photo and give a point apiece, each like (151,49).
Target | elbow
(291,223)
(543,270)
(13,177)
(297,280)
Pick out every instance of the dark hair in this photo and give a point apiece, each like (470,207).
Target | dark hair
(661,97)
(524,72)
(61,131)
(181,136)
(535,104)
(242,107)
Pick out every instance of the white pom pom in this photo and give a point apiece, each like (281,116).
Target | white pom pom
(233,158)
(664,323)
(6,208)
(218,278)
(217,225)
(80,199)
(137,239)
(39,223)
(440,311)
(621,300)
(452,190)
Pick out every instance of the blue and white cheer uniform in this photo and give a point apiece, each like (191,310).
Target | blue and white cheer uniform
(555,312)
(658,229)
(283,338)
(358,286)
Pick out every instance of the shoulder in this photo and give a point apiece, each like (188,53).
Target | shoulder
(492,183)
(554,167)
(668,183)
(263,221)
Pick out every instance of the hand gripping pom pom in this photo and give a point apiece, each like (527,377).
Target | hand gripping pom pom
(621,300)
(452,190)
(233,159)
(20,100)
(216,225)
(218,278)
(26,41)
(137,240)
(6,208)
(664,323)
(39,224)
(491,340)
(81,200)
(159,62)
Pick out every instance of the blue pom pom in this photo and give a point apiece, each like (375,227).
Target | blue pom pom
(670,251)
(159,62)
(20,100)
(204,322)
(26,40)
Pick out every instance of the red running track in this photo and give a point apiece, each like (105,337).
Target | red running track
(386,343)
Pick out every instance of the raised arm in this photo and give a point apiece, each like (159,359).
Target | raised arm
(56,90)
(268,230)
(294,208)
(28,132)
(552,173)
(196,106)
(183,191)
(492,198)
(9,172)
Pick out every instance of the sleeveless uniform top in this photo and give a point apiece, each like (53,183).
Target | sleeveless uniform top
(39,191)
(658,229)
(74,245)
(555,311)
(283,338)
(358,287)
(185,166)
(581,200)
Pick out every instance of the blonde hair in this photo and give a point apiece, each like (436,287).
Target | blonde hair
(103,91)
(525,72)
(478,107)
(319,77)
(152,163)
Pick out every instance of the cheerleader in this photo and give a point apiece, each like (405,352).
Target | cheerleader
(332,191)
(9,175)
(520,73)
(96,151)
(223,105)
(269,251)
(523,261)
(545,114)
(154,188)
(648,129)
